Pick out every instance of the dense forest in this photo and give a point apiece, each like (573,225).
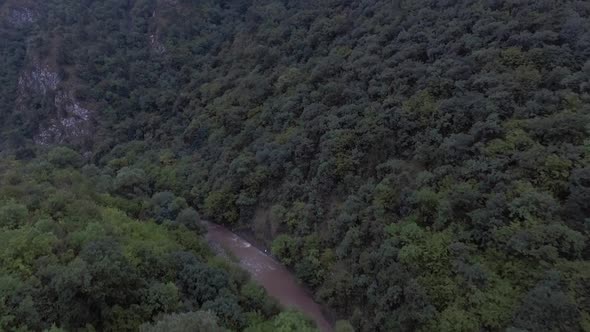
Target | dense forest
(72,259)
(420,165)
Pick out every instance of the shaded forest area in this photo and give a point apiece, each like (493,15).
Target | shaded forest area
(72,259)
(421,165)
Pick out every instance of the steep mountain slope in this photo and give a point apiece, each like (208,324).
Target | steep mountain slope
(419,164)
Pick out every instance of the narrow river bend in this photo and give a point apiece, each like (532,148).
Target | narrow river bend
(274,277)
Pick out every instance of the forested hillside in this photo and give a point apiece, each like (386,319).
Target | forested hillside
(71,259)
(420,165)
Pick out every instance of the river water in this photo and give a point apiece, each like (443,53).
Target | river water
(274,277)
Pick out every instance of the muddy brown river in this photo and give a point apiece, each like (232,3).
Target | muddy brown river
(274,277)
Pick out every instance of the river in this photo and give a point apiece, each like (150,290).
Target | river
(278,281)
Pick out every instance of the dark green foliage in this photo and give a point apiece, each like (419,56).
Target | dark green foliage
(547,308)
(343,326)
(12,59)
(166,206)
(69,259)
(200,321)
(289,321)
(130,182)
(64,157)
(255,296)
(421,165)
(190,218)
(220,205)
(12,215)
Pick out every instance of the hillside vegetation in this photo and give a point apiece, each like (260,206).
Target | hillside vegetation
(71,259)
(420,165)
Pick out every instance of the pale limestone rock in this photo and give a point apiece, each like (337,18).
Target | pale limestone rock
(21,16)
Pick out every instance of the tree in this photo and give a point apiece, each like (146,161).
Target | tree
(343,326)
(255,296)
(220,205)
(130,182)
(13,215)
(166,206)
(160,298)
(227,308)
(547,308)
(199,321)
(201,283)
(190,218)
(285,248)
(289,321)
(64,157)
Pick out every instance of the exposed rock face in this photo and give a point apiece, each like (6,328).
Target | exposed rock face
(39,80)
(21,16)
(155,44)
(71,122)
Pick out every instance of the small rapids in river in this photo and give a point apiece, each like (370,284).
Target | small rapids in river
(274,277)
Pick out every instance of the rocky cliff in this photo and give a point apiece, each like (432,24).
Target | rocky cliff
(43,100)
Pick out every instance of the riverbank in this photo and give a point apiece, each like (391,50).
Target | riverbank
(249,236)
(278,281)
